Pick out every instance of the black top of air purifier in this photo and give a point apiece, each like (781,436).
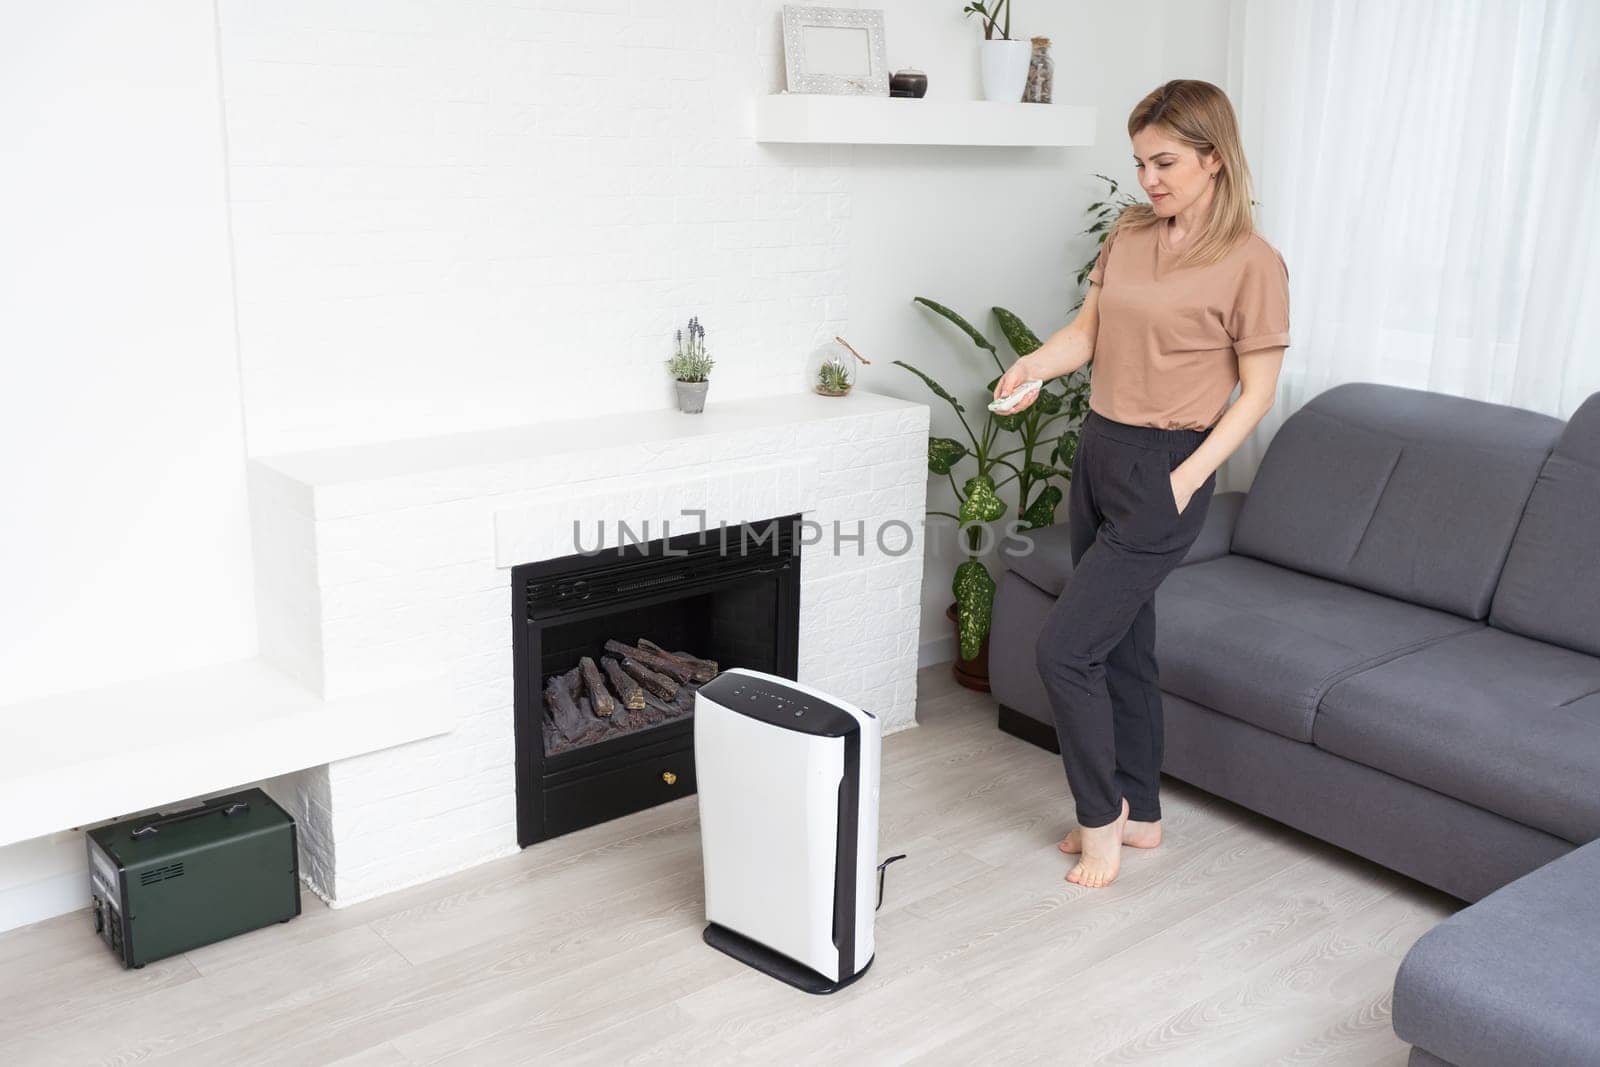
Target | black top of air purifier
(779,705)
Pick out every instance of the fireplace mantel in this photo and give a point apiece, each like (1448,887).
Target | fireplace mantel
(354,480)
(378,558)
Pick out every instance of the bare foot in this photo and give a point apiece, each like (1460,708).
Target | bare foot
(1135,834)
(1102,853)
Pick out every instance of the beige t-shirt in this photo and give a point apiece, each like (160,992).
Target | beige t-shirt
(1166,353)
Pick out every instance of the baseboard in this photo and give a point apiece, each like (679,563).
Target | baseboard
(1028,728)
(47,898)
(936,650)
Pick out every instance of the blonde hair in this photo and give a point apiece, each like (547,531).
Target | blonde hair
(1199,115)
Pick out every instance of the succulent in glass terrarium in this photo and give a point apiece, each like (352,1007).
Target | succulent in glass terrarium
(833,367)
(833,377)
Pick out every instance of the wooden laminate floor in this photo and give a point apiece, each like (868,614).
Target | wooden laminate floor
(1238,941)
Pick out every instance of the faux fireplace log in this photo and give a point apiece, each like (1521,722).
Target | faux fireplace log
(601,700)
(628,689)
(569,719)
(584,701)
(673,668)
(669,709)
(707,666)
(659,684)
(704,669)
(699,670)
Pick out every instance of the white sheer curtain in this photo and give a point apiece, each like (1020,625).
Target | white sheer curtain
(1430,170)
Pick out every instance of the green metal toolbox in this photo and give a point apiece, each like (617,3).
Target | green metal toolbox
(163,884)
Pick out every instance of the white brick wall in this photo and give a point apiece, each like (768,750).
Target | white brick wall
(397,557)
(445,212)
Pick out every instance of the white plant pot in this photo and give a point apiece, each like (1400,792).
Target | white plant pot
(1005,69)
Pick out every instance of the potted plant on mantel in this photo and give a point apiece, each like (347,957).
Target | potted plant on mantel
(1004,61)
(691,366)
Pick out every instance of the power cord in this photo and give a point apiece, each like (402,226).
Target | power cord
(881,867)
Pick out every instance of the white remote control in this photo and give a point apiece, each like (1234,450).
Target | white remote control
(1004,405)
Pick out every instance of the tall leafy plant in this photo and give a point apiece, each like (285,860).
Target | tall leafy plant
(1033,449)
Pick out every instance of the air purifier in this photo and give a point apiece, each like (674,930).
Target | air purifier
(788,794)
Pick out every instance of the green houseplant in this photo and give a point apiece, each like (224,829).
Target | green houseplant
(1028,453)
(992,23)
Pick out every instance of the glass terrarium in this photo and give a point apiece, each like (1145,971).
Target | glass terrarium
(831,367)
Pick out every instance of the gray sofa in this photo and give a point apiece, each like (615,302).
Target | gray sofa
(1391,642)
(1513,979)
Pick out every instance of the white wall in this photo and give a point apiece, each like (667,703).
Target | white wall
(116,320)
(124,545)
(452,216)
(448,216)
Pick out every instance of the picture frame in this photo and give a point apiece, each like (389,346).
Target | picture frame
(835,50)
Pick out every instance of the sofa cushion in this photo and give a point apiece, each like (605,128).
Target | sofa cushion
(1262,643)
(1513,978)
(1404,492)
(1501,721)
(1044,556)
(1550,588)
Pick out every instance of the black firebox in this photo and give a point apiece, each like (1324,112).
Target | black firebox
(610,647)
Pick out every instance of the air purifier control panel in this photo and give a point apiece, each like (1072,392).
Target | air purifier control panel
(779,705)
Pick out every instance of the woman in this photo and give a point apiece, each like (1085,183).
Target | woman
(1186,302)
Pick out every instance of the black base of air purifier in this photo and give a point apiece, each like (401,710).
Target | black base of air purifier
(773,963)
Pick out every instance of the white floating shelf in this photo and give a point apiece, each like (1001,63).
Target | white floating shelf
(79,758)
(819,118)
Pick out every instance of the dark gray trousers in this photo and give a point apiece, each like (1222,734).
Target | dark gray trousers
(1096,651)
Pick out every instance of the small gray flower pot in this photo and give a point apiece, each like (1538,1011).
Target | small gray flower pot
(692,396)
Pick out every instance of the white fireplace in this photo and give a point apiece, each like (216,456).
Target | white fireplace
(392,561)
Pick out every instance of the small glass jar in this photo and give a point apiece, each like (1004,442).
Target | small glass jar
(831,368)
(1041,73)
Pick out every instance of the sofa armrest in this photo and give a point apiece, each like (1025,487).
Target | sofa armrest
(1216,533)
(1509,979)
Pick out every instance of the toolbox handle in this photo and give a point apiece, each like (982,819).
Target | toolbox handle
(226,807)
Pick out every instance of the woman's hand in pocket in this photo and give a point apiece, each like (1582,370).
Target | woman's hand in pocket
(1182,491)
